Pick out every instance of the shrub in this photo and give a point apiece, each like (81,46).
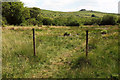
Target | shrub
(108,20)
(73,23)
(32,21)
(39,18)
(88,21)
(92,21)
(60,21)
(96,21)
(47,21)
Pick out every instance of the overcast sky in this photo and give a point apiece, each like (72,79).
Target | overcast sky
(109,6)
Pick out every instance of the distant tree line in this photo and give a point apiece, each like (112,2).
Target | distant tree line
(14,13)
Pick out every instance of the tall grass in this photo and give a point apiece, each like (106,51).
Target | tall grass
(60,56)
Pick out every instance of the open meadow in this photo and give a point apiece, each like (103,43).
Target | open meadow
(60,52)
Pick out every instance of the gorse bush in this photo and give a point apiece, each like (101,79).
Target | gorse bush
(60,21)
(47,21)
(73,23)
(109,20)
(92,21)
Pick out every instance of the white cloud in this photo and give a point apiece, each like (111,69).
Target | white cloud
(73,5)
(108,5)
(30,3)
(56,4)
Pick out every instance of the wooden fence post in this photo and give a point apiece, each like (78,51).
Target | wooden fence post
(86,43)
(34,42)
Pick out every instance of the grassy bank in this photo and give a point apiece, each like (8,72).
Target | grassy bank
(58,55)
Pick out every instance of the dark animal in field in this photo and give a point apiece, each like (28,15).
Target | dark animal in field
(78,34)
(103,32)
(67,34)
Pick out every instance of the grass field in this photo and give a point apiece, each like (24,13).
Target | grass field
(60,56)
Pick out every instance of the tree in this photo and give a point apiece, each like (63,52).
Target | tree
(35,12)
(16,14)
(39,20)
(25,14)
(12,11)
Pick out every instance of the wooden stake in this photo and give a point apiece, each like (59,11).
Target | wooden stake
(34,42)
(86,43)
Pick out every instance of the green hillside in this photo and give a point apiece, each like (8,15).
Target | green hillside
(87,17)
(79,14)
(17,14)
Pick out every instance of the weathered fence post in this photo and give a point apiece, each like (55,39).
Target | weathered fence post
(34,42)
(86,43)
